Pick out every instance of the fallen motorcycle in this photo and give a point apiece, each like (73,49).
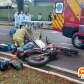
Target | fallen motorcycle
(38,56)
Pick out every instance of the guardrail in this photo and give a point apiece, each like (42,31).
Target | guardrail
(38,24)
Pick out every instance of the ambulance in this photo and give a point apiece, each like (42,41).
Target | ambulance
(68,17)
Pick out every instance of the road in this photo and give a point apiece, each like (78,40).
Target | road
(72,63)
(4,34)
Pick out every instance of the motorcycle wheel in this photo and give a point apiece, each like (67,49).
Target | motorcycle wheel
(37,60)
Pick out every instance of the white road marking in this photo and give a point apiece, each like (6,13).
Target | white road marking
(65,44)
(64,47)
(62,69)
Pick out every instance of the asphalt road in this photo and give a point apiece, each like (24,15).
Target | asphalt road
(4,34)
(72,63)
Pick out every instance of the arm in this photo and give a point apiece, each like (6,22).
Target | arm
(29,34)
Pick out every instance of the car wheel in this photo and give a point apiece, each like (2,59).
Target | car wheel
(77,42)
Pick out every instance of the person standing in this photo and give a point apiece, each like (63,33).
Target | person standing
(21,18)
(27,17)
(50,17)
(28,20)
(39,17)
(17,19)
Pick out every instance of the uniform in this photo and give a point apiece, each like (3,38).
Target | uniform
(18,37)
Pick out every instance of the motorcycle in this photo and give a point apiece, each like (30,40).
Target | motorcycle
(40,54)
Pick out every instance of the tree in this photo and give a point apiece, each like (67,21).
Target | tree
(20,5)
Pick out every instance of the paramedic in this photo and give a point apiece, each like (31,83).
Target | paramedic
(19,36)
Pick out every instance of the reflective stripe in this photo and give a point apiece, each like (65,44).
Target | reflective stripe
(58,23)
(82,25)
(75,7)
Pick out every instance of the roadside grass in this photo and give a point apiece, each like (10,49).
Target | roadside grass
(1,76)
(30,76)
(26,76)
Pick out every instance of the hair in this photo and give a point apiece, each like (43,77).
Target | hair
(26,13)
(21,26)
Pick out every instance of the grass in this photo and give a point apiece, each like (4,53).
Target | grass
(24,77)
(29,76)
(1,76)
(6,14)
